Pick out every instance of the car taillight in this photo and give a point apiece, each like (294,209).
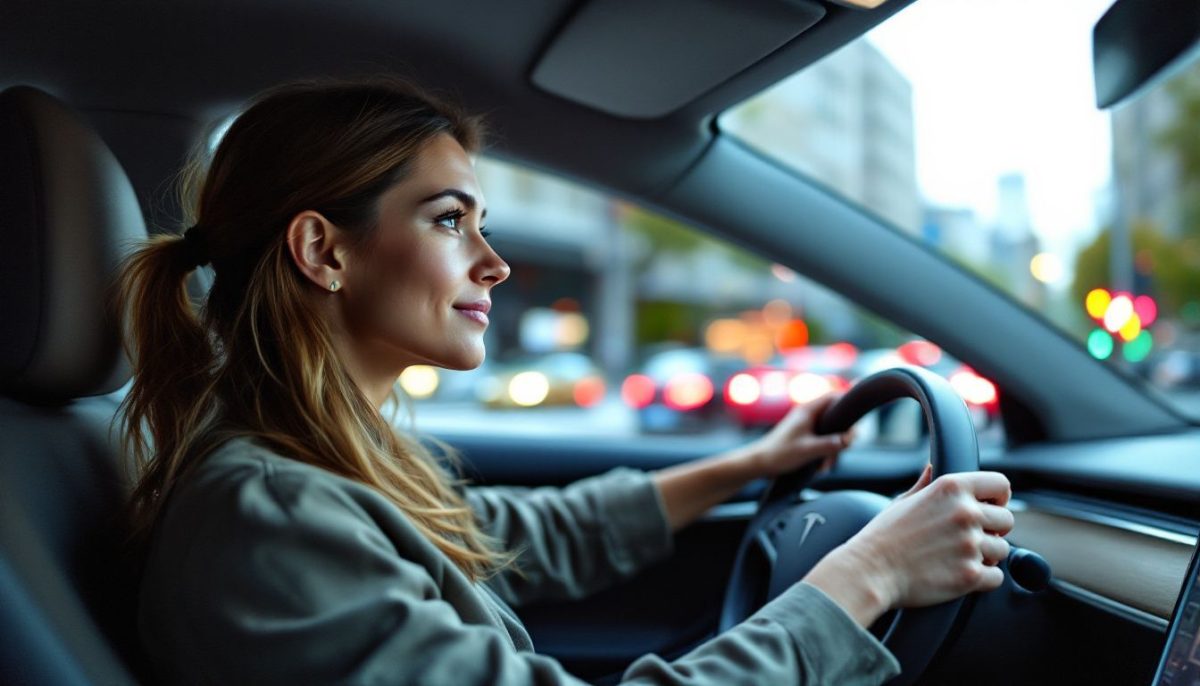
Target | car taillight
(687,392)
(973,388)
(588,391)
(774,385)
(742,389)
(920,353)
(637,391)
(841,355)
(807,387)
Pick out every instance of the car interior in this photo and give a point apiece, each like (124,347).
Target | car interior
(102,102)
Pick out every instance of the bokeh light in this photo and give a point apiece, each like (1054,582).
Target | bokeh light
(688,391)
(841,354)
(1100,344)
(1118,313)
(588,391)
(783,273)
(973,388)
(419,381)
(774,384)
(1131,328)
(1137,349)
(725,335)
(529,388)
(792,335)
(777,312)
(572,330)
(1146,309)
(759,347)
(742,389)
(637,391)
(1046,267)
(806,387)
(920,353)
(1096,302)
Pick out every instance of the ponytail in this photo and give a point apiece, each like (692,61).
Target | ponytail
(171,399)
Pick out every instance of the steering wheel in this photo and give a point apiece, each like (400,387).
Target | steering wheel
(787,536)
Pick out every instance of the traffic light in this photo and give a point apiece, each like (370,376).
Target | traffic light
(1123,318)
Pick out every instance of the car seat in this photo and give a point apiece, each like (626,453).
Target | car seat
(68,214)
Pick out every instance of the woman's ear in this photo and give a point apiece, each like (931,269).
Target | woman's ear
(315,245)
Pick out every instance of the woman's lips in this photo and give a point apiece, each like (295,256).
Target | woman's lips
(476,311)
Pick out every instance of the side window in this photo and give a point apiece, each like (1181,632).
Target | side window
(604,329)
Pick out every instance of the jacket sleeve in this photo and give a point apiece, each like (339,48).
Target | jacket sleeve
(287,580)
(576,540)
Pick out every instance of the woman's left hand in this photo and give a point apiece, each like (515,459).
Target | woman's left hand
(791,444)
(689,489)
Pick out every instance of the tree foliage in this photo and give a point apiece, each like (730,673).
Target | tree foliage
(1181,138)
(662,236)
(1166,268)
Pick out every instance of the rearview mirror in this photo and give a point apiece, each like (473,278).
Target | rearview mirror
(1136,41)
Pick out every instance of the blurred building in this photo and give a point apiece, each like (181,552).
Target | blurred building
(846,122)
(730,286)
(958,232)
(1014,242)
(1145,172)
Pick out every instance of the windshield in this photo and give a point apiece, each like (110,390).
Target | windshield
(973,127)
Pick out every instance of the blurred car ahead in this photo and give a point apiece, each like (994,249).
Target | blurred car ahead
(678,390)
(554,379)
(761,395)
(1175,369)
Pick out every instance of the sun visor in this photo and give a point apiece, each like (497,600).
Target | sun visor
(646,59)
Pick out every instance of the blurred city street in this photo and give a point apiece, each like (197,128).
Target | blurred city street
(612,419)
(609,418)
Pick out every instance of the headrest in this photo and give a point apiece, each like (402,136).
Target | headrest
(68,215)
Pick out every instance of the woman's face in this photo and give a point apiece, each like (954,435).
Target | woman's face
(418,290)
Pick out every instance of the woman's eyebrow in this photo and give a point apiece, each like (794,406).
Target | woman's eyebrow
(462,196)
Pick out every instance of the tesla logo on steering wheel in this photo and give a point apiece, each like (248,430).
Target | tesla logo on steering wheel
(810,520)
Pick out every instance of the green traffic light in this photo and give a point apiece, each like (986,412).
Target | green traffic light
(1100,344)
(1137,349)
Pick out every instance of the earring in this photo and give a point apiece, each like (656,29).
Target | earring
(334,285)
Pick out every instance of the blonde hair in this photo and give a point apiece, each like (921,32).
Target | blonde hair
(257,360)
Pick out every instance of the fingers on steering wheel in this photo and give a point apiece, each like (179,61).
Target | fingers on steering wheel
(994,549)
(922,481)
(990,579)
(990,487)
(995,519)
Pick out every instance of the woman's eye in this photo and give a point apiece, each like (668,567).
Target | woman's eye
(450,220)
(485,233)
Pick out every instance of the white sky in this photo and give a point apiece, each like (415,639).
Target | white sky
(1002,86)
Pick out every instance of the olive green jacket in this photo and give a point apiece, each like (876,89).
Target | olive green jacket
(265,570)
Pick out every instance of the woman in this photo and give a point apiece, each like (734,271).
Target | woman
(293,537)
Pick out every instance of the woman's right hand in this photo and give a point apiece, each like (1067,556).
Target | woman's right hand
(936,542)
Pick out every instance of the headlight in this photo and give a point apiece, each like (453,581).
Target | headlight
(419,381)
(528,388)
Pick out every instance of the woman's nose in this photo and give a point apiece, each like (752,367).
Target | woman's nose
(494,269)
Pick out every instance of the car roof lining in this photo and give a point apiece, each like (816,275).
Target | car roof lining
(645,60)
